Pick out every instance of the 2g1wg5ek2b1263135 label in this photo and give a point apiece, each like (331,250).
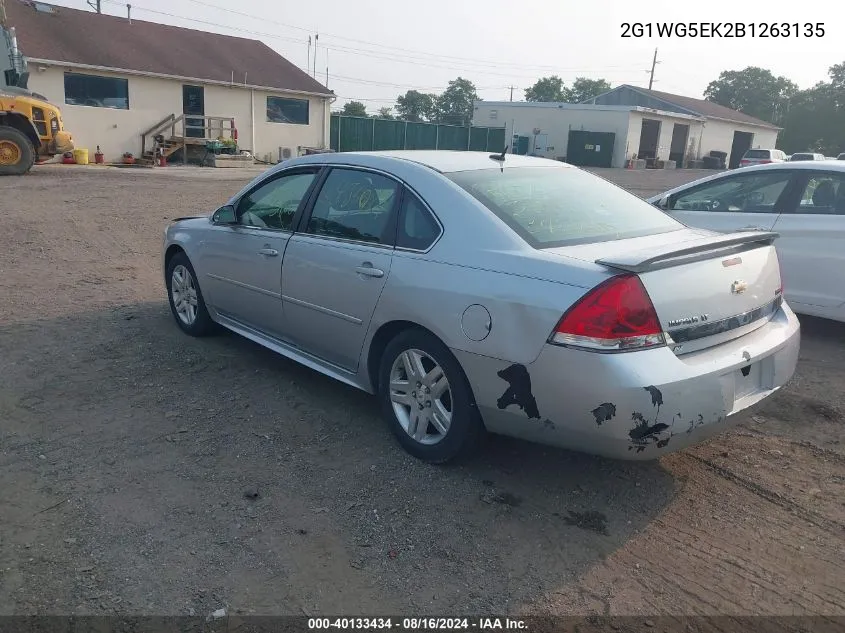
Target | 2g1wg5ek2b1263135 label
(723,29)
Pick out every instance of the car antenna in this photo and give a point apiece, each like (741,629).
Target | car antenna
(500,157)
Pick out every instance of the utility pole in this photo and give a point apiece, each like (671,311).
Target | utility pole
(654,63)
(511,93)
(316,37)
(95,4)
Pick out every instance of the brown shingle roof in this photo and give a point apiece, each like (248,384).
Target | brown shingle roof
(706,108)
(84,37)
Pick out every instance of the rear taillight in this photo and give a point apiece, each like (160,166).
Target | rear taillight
(616,315)
(744,162)
(765,161)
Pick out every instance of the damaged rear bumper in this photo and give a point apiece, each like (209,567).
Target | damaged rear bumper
(635,405)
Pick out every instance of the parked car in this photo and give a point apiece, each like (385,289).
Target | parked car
(802,201)
(841,156)
(504,293)
(806,156)
(762,157)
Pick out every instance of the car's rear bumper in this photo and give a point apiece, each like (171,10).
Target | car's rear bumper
(634,405)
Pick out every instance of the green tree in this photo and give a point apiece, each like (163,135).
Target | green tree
(754,91)
(454,106)
(814,119)
(415,106)
(584,88)
(354,108)
(546,89)
(385,113)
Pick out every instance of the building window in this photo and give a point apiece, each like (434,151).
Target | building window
(494,114)
(282,110)
(97,92)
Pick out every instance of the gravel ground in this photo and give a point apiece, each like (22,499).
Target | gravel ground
(146,472)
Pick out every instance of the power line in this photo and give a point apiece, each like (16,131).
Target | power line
(393,100)
(409,59)
(369,82)
(416,52)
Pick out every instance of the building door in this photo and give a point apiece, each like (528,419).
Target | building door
(193,102)
(541,143)
(649,139)
(520,144)
(680,133)
(590,149)
(742,143)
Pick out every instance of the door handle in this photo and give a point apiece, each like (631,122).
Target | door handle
(269,252)
(367,270)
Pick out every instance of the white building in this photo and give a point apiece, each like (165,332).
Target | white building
(627,122)
(116,78)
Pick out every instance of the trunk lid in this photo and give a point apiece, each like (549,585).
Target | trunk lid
(706,287)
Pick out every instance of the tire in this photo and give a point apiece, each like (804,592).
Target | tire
(465,430)
(15,146)
(201,324)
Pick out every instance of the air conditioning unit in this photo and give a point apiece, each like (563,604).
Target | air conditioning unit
(285,153)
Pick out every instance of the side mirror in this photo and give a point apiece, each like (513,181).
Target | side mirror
(662,203)
(224,215)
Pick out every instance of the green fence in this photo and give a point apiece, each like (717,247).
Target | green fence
(356,134)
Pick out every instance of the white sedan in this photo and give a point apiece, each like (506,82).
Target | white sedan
(802,201)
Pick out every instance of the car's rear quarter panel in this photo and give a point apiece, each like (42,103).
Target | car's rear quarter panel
(607,404)
(434,294)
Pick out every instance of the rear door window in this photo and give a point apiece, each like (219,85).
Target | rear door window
(561,206)
(355,204)
(824,194)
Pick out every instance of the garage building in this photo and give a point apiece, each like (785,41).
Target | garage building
(116,79)
(624,123)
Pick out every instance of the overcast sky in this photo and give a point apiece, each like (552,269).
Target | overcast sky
(377,49)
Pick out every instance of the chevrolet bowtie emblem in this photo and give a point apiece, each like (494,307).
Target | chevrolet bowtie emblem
(738,287)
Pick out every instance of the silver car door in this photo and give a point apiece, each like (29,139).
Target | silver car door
(336,266)
(242,262)
(811,246)
(740,201)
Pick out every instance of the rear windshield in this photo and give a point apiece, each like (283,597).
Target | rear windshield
(802,157)
(757,153)
(558,206)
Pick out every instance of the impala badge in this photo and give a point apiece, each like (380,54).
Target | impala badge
(690,320)
(738,287)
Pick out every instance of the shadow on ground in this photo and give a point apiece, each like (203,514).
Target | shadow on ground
(148,472)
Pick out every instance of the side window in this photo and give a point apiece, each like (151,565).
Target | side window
(273,205)
(823,195)
(355,205)
(417,228)
(747,193)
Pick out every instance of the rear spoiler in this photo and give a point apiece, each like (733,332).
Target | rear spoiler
(689,251)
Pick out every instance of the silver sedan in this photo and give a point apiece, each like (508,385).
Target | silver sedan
(473,292)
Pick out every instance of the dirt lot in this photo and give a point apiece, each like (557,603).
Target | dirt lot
(126,449)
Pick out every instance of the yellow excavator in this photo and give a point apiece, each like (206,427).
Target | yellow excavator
(31,127)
